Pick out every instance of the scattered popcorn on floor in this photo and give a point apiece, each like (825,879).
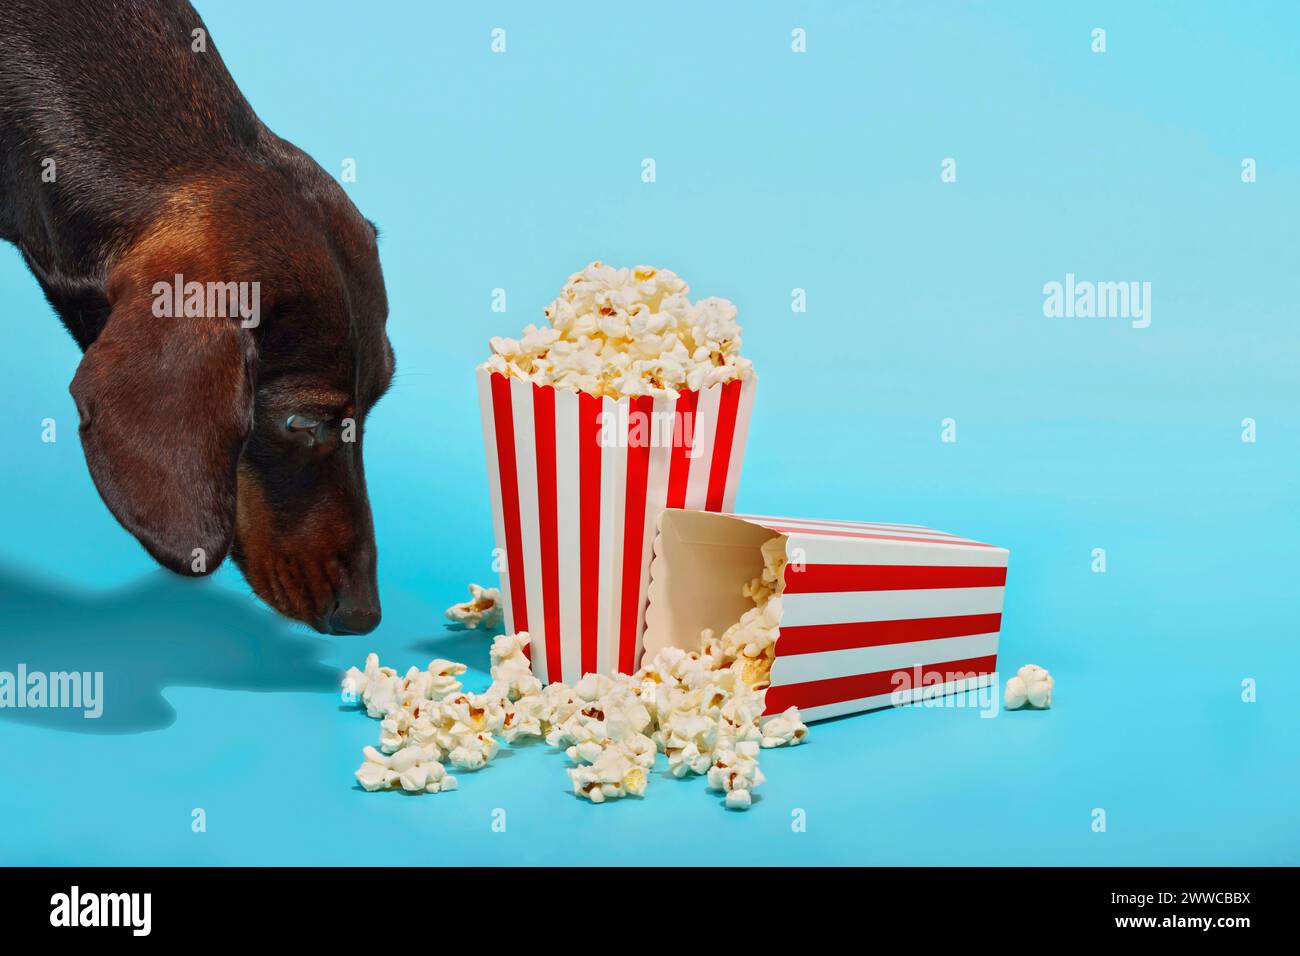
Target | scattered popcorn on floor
(376,687)
(620,332)
(702,709)
(512,676)
(483,609)
(785,729)
(1032,685)
(612,775)
(736,773)
(413,769)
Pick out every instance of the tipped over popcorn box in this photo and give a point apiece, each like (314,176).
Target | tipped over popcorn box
(631,400)
(832,617)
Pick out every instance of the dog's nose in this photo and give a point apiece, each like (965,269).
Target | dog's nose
(351,618)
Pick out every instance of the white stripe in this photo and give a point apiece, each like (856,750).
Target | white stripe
(849,607)
(655,498)
(835,523)
(494,491)
(521,403)
(737,460)
(795,524)
(827,665)
(810,714)
(613,479)
(875,534)
(706,424)
(567,488)
(820,549)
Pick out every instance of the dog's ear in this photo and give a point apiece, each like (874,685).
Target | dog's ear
(166,405)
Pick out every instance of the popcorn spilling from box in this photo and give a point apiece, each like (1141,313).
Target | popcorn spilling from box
(702,710)
(832,617)
(618,332)
(1032,685)
(483,609)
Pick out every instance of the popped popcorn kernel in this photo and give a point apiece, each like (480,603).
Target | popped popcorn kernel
(736,773)
(612,775)
(483,609)
(784,730)
(1032,685)
(473,751)
(377,688)
(413,769)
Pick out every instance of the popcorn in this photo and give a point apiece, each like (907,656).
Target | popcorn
(483,608)
(772,579)
(621,332)
(1032,685)
(473,751)
(702,710)
(472,714)
(688,740)
(523,718)
(638,748)
(512,676)
(735,773)
(751,641)
(413,769)
(442,681)
(1016,694)
(402,727)
(784,730)
(377,687)
(612,775)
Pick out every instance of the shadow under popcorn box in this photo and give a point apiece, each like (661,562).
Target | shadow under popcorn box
(577,482)
(872,614)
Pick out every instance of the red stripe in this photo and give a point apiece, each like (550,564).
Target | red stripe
(817,693)
(679,469)
(823,578)
(638,469)
(818,638)
(728,403)
(505,430)
(947,542)
(548,524)
(589,412)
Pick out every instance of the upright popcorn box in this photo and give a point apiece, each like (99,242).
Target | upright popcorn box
(872,614)
(577,482)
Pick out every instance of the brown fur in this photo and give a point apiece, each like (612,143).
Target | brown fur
(165,170)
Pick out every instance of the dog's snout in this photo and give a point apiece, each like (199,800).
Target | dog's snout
(353,620)
(347,618)
(355,611)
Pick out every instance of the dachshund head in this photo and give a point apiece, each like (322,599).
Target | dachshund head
(223,404)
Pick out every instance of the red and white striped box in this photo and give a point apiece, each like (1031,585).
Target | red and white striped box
(873,614)
(577,482)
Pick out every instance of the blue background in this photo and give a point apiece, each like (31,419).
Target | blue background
(775,170)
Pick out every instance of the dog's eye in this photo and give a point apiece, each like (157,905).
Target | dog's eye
(302,423)
(306,428)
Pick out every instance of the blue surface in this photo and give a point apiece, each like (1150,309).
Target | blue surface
(775,171)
